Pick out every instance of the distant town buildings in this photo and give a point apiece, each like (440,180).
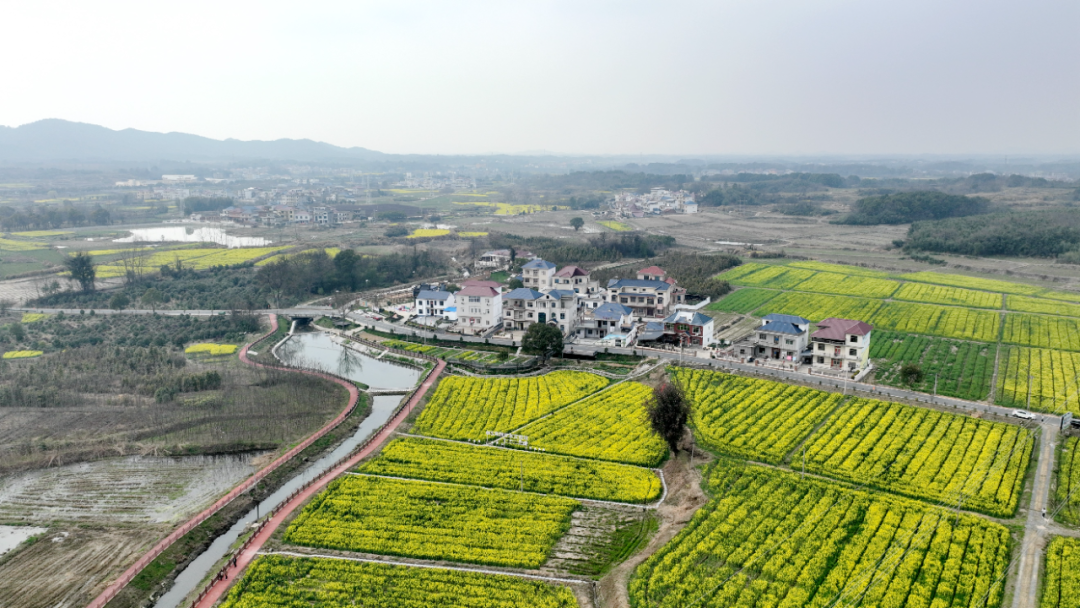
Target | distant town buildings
(657,202)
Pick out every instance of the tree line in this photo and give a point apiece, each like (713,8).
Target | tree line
(905,207)
(1045,233)
(66,215)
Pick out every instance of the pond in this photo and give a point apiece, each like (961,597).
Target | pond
(318,351)
(190,234)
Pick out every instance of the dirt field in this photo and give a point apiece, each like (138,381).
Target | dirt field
(71,564)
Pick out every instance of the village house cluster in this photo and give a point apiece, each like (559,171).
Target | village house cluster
(649,308)
(657,202)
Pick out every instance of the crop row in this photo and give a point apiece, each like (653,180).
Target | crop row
(1042,306)
(1044,332)
(743,300)
(756,419)
(956,296)
(608,426)
(949,367)
(924,454)
(1061,577)
(945,321)
(821,306)
(839,269)
(1067,489)
(768,538)
(850,285)
(957,280)
(764,275)
(491,467)
(464,408)
(433,521)
(278,581)
(1048,377)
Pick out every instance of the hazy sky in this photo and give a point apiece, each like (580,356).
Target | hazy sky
(723,77)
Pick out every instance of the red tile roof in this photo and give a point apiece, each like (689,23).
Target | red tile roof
(840,329)
(481,283)
(652,270)
(478,290)
(572,271)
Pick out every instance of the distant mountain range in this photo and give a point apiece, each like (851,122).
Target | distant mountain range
(61,140)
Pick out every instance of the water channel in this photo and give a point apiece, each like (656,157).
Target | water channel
(317,351)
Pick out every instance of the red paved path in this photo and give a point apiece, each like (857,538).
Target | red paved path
(354,395)
(251,551)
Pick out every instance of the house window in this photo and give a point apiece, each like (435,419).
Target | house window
(851,351)
(789,342)
(761,336)
(821,359)
(854,339)
(820,346)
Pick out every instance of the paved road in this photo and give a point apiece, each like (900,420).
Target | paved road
(1038,526)
(248,554)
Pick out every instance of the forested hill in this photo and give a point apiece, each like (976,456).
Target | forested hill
(1028,233)
(904,207)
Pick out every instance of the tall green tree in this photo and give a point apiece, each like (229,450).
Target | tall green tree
(543,340)
(152,298)
(668,411)
(577,223)
(82,269)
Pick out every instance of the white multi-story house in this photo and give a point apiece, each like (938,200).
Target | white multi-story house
(435,304)
(841,344)
(538,275)
(524,306)
(782,337)
(519,308)
(576,279)
(650,295)
(479,307)
(608,318)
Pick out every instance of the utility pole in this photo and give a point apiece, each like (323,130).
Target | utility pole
(1030,378)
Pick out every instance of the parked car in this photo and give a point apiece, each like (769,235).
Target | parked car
(1023,415)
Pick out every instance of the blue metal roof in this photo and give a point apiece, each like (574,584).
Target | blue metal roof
(696,319)
(780,327)
(786,319)
(432,295)
(539,264)
(659,285)
(560,293)
(523,293)
(612,311)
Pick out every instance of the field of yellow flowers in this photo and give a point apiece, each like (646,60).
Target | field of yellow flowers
(493,467)
(426,520)
(924,454)
(278,581)
(756,419)
(607,426)
(769,538)
(464,408)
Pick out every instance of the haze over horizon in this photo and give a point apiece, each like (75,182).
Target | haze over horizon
(777,77)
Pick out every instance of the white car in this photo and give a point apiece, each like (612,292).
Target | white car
(1022,414)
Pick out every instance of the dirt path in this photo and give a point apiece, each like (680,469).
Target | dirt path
(114,588)
(685,497)
(229,575)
